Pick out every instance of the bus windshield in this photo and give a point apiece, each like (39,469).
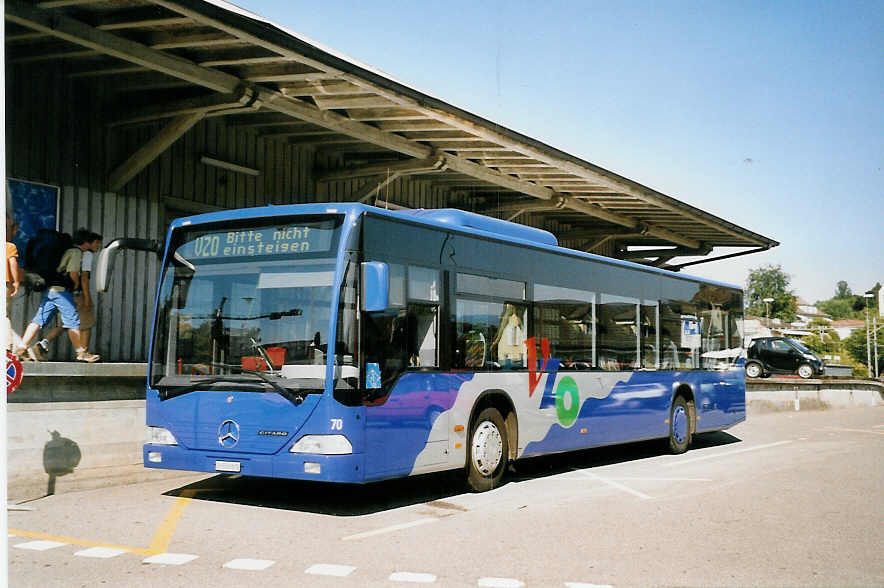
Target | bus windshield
(243,299)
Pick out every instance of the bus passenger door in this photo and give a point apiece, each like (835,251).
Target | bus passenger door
(406,426)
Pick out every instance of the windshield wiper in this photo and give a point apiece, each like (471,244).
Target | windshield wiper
(295,399)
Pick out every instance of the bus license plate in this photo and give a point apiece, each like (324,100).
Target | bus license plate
(227,466)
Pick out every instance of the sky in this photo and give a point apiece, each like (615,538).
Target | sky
(767,114)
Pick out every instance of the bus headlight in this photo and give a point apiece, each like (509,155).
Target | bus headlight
(323,445)
(160,436)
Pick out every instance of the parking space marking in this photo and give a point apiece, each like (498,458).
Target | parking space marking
(100,552)
(249,564)
(77,542)
(500,583)
(681,462)
(40,545)
(389,529)
(158,546)
(412,577)
(163,536)
(170,559)
(614,484)
(330,570)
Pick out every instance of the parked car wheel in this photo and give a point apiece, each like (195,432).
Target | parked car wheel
(805,371)
(754,370)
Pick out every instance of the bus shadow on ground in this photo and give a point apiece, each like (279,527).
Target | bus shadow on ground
(355,500)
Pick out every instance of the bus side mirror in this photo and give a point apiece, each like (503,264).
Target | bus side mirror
(375,286)
(104,261)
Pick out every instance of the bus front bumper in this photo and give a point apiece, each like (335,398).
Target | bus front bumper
(348,468)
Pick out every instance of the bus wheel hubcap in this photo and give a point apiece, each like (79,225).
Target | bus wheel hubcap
(680,424)
(487,448)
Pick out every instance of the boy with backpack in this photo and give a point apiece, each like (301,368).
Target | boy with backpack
(89,243)
(62,278)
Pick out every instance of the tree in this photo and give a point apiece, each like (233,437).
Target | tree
(844,305)
(855,345)
(843,290)
(839,308)
(771,281)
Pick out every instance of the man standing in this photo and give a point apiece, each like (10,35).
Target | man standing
(59,298)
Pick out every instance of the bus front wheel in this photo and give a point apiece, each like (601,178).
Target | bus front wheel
(679,426)
(488,451)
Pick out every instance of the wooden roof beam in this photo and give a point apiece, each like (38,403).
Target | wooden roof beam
(324,139)
(139,160)
(394,126)
(408,167)
(65,3)
(327,102)
(321,88)
(162,41)
(84,35)
(199,104)
(138,18)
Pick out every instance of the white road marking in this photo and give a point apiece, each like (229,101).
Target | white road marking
(855,430)
(329,570)
(500,583)
(726,454)
(40,545)
(616,485)
(389,529)
(100,552)
(643,479)
(411,577)
(249,564)
(170,559)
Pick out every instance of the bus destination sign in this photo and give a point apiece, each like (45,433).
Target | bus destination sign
(291,239)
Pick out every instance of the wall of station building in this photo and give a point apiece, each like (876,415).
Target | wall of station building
(57,133)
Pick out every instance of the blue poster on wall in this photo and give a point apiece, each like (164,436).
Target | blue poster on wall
(34,207)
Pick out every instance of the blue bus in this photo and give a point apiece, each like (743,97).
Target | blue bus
(347,343)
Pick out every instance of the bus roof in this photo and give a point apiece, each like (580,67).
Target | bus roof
(448,219)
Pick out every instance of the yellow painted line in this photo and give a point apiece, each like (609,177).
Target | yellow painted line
(159,544)
(75,541)
(163,536)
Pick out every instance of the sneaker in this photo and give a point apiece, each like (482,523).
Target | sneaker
(88,357)
(44,345)
(21,352)
(37,353)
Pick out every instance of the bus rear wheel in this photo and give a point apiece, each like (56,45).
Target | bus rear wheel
(679,426)
(488,451)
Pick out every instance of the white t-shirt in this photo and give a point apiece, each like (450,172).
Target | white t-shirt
(86,265)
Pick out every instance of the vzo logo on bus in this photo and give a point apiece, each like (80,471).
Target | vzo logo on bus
(553,395)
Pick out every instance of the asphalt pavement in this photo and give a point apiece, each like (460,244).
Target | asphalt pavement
(784,499)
